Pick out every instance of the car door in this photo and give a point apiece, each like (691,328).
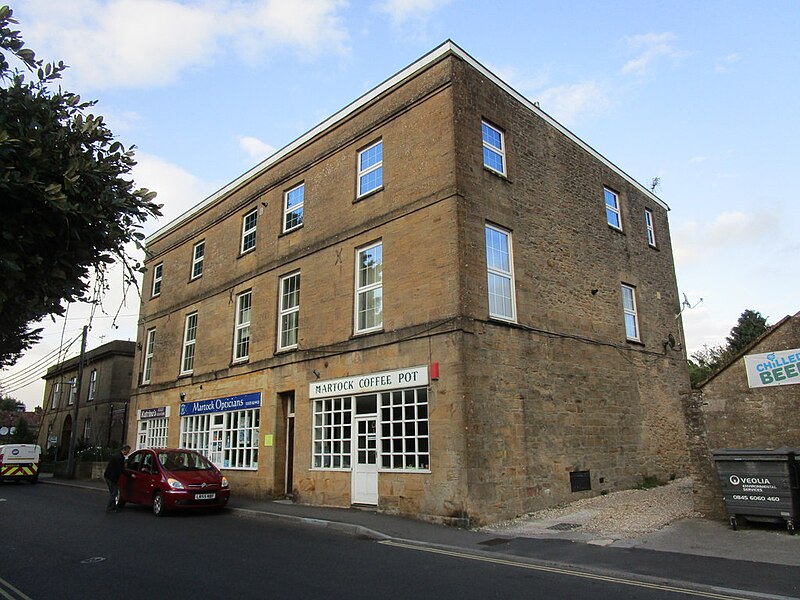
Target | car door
(128,481)
(146,478)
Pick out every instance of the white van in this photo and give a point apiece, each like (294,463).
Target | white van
(20,461)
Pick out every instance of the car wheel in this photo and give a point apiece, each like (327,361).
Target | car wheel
(158,505)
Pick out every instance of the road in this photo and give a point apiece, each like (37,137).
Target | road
(57,542)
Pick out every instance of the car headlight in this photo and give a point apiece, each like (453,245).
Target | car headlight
(175,484)
(224,481)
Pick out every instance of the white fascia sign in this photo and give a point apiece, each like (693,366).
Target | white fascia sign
(372,382)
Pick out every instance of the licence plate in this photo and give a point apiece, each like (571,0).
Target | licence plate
(204,496)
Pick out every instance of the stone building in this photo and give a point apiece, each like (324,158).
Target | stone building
(439,302)
(105,389)
(734,411)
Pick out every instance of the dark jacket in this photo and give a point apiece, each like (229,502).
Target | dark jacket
(115,466)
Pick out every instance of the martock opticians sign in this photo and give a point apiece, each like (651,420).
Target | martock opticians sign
(773,368)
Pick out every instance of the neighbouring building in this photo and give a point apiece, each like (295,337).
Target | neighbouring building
(439,302)
(751,402)
(102,407)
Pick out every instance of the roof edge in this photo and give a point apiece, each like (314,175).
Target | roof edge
(448,47)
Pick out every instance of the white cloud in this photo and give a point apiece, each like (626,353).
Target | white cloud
(178,190)
(694,241)
(255,148)
(725,64)
(143,43)
(411,10)
(650,47)
(567,103)
(698,159)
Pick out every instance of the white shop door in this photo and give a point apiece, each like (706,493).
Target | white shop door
(365,465)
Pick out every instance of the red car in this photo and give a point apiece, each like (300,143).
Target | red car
(172,478)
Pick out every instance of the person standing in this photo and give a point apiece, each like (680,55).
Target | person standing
(114,468)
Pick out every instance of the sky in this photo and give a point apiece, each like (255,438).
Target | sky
(702,96)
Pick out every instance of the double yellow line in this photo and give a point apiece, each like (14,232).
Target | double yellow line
(568,572)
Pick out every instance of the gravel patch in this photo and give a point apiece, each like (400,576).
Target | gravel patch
(624,514)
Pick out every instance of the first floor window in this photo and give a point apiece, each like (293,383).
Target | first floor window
(152,433)
(189,339)
(369,288)
(651,229)
(500,265)
(197,259)
(87,430)
(629,310)
(612,209)
(370,168)
(56,394)
(73,389)
(148,355)
(333,426)
(293,207)
(158,272)
(241,346)
(249,223)
(229,440)
(92,386)
(404,429)
(289,312)
(494,152)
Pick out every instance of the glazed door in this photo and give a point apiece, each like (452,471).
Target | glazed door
(365,465)
(216,447)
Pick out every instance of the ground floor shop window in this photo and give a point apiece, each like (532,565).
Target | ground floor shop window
(152,433)
(153,427)
(229,439)
(333,419)
(402,417)
(404,429)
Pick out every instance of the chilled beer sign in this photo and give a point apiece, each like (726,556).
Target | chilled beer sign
(773,368)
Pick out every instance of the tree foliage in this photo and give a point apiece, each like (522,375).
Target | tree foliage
(710,359)
(69,203)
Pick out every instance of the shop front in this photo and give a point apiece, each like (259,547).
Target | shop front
(371,424)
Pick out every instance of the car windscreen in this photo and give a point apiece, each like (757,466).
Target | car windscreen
(183,461)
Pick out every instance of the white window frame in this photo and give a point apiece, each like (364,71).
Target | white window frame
(649,221)
(87,428)
(405,430)
(241,332)
(189,343)
(363,173)
(332,438)
(288,314)
(56,395)
(73,389)
(147,369)
(488,146)
(612,209)
(240,435)
(197,261)
(92,386)
(630,313)
(368,290)
(249,233)
(290,211)
(496,273)
(158,275)
(152,433)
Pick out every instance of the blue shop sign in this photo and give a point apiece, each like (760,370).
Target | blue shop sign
(239,402)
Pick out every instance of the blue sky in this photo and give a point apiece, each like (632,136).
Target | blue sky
(702,95)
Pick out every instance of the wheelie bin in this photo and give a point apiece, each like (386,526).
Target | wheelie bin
(760,485)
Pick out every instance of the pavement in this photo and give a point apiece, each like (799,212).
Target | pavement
(756,561)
